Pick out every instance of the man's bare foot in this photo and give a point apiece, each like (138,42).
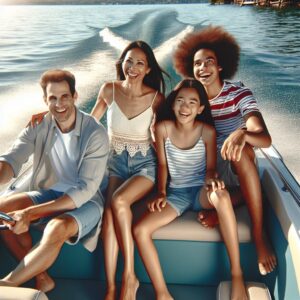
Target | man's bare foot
(129,288)
(164,296)
(111,294)
(44,282)
(266,258)
(208,218)
(238,289)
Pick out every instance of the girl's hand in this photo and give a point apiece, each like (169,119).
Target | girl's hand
(158,203)
(213,184)
(36,119)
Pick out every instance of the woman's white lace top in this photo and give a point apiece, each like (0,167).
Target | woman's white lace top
(132,134)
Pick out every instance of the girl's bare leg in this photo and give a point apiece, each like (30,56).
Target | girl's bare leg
(143,235)
(209,217)
(220,200)
(20,245)
(129,192)
(110,242)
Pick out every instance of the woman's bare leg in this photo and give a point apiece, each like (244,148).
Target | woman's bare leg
(220,200)
(110,242)
(20,245)
(129,192)
(143,235)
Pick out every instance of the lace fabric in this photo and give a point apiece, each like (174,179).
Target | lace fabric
(120,144)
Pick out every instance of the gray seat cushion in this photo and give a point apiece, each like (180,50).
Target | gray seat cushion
(256,290)
(19,293)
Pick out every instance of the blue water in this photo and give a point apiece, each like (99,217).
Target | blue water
(88,39)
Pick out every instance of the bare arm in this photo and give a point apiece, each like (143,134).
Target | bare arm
(101,103)
(255,134)
(211,179)
(209,137)
(24,217)
(162,160)
(6,172)
(159,99)
(160,200)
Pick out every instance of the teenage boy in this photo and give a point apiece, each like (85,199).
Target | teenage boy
(211,56)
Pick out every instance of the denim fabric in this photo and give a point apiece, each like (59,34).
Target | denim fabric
(124,166)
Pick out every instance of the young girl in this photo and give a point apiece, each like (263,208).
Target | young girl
(131,102)
(186,150)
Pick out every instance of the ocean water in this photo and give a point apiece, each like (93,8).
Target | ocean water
(88,39)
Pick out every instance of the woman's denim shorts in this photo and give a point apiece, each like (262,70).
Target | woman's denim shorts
(183,199)
(87,216)
(124,166)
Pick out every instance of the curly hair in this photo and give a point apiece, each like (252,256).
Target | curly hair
(214,38)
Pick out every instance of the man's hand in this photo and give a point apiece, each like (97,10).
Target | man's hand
(22,221)
(234,145)
(158,203)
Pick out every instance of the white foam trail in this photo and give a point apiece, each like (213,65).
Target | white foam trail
(91,72)
(17,106)
(115,41)
(163,51)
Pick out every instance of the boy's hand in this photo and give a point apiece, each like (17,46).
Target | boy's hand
(234,145)
(158,203)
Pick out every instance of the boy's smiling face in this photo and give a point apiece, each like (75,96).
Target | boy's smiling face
(206,68)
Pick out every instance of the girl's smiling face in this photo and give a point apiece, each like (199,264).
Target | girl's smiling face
(187,105)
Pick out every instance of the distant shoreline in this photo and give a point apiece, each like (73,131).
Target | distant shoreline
(98,2)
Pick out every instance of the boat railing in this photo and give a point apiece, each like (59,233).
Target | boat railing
(276,161)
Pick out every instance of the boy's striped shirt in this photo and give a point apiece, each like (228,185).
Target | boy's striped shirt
(229,108)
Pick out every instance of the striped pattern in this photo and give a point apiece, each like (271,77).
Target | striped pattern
(186,167)
(229,109)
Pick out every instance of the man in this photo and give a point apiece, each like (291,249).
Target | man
(70,150)
(211,56)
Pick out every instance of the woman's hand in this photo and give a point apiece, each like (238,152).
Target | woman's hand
(37,119)
(158,203)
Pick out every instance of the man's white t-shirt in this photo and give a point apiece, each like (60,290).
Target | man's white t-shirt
(64,159)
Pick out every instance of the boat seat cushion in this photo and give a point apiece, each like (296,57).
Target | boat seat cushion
(19,293)
(187,228)
(256,290)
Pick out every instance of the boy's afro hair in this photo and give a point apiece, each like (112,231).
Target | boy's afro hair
(215,38)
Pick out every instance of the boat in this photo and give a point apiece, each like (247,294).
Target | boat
(248,2)
(194,259)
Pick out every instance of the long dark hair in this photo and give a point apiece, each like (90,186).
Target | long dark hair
(154,78)
(165,110)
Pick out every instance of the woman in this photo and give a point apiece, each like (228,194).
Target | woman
(130,102)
